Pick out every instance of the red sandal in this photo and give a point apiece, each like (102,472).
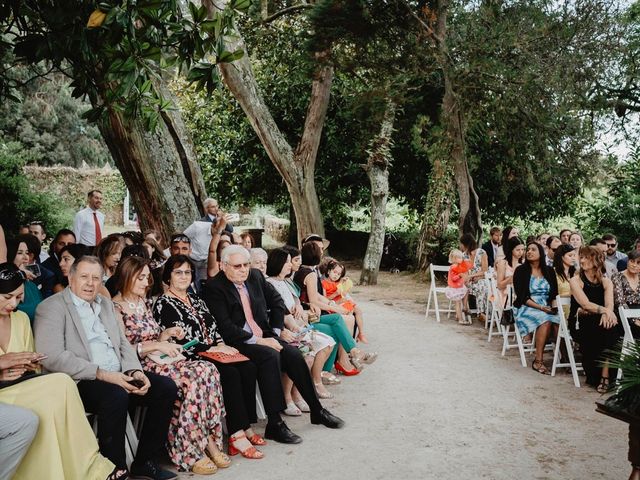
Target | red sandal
(251,452)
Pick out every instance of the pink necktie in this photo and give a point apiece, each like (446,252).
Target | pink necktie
(96,223)
(248,314)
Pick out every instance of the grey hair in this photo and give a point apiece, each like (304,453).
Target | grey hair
(207,201)
(85,259)
(234,250)
(257,253)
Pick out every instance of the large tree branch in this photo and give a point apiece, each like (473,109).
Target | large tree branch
(285,11)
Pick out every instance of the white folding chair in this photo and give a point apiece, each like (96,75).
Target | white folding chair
(564,334)
(507,334)
(260,411)
(625,314)
(495,299)
(434,290)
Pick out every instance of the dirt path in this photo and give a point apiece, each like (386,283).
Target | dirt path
(441,403)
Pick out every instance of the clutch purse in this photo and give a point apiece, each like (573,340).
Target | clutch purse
(224,357)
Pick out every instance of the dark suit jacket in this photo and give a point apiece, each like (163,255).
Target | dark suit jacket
(487,247)
(223,300)
(228,228)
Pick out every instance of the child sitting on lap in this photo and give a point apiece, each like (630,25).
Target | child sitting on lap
(456,290)
(337,288)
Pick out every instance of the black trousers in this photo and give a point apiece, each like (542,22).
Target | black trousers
(238,382)
(270,364)
(111,404)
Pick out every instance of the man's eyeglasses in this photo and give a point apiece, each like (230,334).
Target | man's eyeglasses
(238,266)
(611,245)
(182,273)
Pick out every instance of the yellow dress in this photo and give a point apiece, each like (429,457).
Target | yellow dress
(564,290)
(65,447)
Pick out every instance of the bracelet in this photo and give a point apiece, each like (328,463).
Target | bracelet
(139,349)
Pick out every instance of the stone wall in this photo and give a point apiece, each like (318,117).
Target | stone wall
(71,185)
(276,228)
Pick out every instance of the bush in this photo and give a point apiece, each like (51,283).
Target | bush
(18,203)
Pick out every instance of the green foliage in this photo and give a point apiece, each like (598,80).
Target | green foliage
(19,203)
(117,51)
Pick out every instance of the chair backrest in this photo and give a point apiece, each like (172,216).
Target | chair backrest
(562,302)
(437,268)
(625,315)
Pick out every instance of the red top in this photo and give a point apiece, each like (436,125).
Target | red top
(454,280)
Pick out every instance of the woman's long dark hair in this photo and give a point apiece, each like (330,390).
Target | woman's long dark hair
(512,243)
(547,271)
(558,265)
(505,235)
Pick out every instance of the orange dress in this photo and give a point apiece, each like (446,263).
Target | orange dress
(331,287)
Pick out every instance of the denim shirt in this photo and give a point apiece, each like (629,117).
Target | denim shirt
(100,347)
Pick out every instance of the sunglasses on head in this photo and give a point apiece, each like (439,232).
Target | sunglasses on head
(180,238)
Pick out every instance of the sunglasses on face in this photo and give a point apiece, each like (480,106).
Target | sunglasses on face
(611,245)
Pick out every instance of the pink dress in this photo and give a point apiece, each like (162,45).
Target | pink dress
(456,290)
(198,411)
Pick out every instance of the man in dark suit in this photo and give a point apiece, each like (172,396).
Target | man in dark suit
(212,209)
(491,246)
(250,317)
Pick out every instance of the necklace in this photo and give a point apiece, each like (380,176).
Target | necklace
(137,307)
(184,300)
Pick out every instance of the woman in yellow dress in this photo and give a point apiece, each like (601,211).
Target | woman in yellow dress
(564,263)
(64,447)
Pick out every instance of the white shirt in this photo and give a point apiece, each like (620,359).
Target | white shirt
(85,228)
(283,289)
(200,235)
(43,255)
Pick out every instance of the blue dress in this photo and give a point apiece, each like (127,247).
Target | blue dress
(529,318)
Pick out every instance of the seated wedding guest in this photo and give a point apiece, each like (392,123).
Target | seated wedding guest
(475,277)
(109,251)
(62,444)
(542,240)
(41,276)
(564,264)
(132,237)
(129,251)
(317,347)
(251,319)
(565,235)
(63,238)
(507,233)
(513,258)
(259,259)
(79,333)
(622,263)
(340,325)
(23,230)
(153,235)
(601,245)
(68,255)
(36,229)
(626,289)
(178,308)
(576,240)
(156,255)
(592,307)
(553,243)
(492,245)
(18,254)
(613,256)
(247,240)
(328,378)
(534,307)
(180,244)
(195,431)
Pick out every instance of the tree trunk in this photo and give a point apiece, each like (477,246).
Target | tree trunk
(377,169)
(159,169)
(296,167)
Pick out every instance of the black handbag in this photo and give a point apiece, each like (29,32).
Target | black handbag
(507,318)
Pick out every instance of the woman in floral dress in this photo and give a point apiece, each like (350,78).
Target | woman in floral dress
(475,277)
(195,431)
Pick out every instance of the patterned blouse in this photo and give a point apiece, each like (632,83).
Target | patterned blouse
(195,319)
(623,295)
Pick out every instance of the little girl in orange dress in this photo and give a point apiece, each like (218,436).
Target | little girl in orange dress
(456,290)
(336,287)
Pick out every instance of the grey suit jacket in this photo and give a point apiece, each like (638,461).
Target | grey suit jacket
(59,333)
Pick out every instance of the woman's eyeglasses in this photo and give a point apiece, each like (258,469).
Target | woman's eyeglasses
(182,273)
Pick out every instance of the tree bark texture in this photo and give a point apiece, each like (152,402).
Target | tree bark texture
(377,169)
(297,167)
(159,169)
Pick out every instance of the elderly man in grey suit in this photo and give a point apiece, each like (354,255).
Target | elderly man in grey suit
(79,332)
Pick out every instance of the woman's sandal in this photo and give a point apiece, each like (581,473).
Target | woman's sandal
(539,367)
(603,386)
(219,458)
(256,439)
(329,378)
(118,474)
(251,452)
(204,466)
(322,392)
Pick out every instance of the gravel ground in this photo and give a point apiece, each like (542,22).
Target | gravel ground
(442,403)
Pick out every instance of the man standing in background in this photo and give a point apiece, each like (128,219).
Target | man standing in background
(88,224)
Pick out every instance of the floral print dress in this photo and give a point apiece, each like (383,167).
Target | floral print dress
(478,287)
(199,408)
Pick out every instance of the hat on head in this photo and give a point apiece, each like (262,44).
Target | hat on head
(10,277)
(314,237)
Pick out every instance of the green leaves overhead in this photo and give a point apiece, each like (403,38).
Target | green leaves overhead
(118,59)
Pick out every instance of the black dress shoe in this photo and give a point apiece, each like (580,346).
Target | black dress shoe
(281,433)
(150,470)
(326,418)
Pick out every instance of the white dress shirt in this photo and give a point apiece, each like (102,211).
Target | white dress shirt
(85,228)
(200,235)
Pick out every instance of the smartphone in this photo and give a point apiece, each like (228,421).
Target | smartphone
(554,310)
(184,347)
(137,383)
(35,269)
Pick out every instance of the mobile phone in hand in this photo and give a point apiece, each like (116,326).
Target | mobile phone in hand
(137,383)
(34,269)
